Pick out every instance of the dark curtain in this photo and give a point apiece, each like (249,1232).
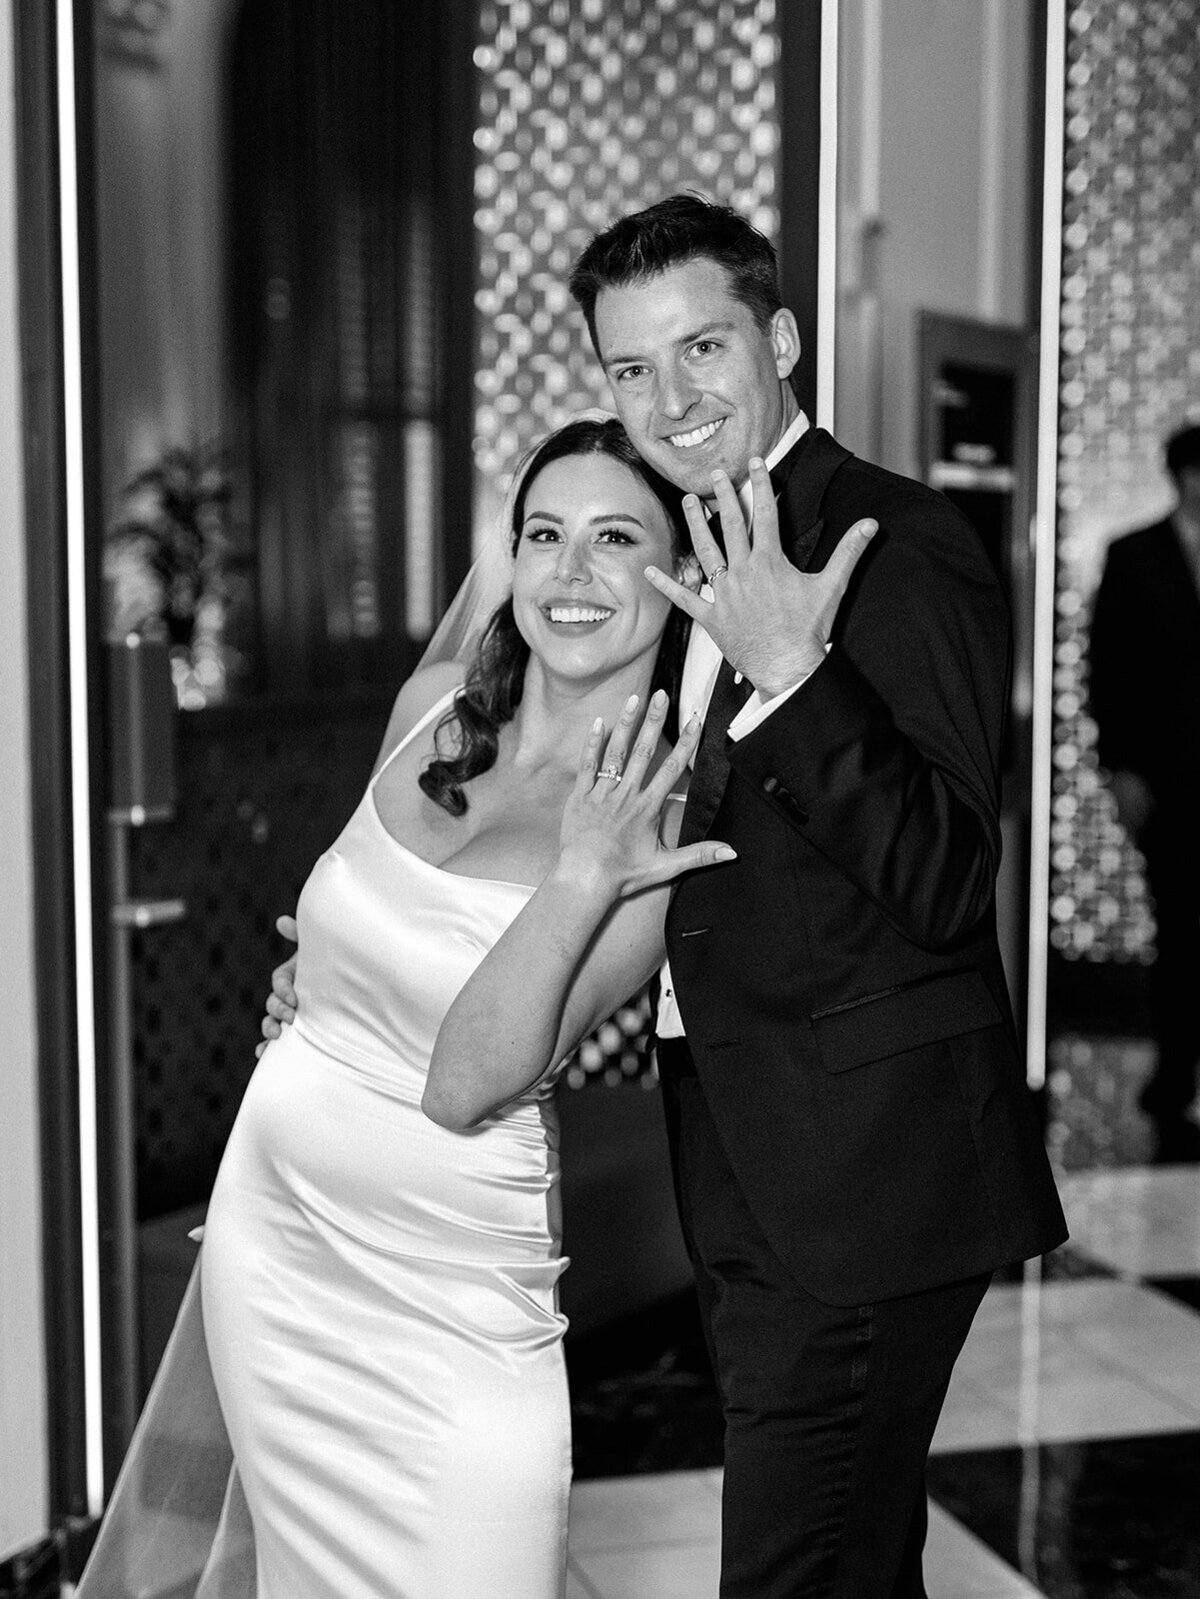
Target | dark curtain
(353,285)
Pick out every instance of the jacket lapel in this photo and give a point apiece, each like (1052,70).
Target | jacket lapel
(710,772)
(799,481)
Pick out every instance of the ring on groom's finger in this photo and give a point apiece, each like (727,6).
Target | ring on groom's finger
(610,772)
(717,571)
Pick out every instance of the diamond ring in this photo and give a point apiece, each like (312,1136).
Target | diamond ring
(610,772)
(717,571)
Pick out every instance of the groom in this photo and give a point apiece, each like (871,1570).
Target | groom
(854,1147)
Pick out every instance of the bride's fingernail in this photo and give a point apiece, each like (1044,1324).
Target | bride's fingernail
(724,853)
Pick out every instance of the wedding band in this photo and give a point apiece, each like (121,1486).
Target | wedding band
(610,772)
(717,571)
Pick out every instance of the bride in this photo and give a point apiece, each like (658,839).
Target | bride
(380,1258)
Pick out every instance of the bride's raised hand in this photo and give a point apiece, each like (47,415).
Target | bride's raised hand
(610,841)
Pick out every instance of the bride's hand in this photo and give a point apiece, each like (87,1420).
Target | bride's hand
(610,840)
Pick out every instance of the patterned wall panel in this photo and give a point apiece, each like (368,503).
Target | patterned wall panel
(588,109)
(1130,375)
(263,790)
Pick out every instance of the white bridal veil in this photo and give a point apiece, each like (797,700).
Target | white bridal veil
(177,1525)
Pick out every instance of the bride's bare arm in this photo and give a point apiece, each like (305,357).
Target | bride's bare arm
(587,939)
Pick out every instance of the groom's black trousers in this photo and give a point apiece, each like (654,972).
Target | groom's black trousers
(829,1411)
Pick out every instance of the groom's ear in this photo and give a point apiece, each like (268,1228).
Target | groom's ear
(687,572)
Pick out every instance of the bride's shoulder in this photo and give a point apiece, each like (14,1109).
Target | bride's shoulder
(416,699)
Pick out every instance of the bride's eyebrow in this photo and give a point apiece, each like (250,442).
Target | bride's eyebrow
(596,521)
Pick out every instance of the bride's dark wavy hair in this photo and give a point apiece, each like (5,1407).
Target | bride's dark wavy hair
(496,679)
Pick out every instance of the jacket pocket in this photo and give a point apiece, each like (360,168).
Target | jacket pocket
(902,1018)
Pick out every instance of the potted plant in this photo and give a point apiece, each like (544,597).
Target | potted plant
(177,568)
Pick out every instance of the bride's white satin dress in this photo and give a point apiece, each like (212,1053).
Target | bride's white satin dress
(379,1294)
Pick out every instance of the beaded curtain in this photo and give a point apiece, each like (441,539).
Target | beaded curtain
(589,109)
(1130,376)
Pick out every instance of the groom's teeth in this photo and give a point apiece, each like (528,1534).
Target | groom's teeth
(685,441)
(577,613)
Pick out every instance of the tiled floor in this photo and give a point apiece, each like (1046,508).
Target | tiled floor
(659,1538)
(1067,1462)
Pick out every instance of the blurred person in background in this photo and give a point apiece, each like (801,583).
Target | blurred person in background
(1145,696)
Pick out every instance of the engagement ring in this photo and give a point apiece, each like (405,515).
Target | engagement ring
(610,772)
(717,571)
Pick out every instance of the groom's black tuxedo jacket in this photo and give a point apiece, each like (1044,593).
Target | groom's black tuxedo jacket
(841,983)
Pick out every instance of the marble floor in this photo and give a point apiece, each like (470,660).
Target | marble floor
(1067,1461)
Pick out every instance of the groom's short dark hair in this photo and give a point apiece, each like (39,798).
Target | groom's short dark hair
(679,229)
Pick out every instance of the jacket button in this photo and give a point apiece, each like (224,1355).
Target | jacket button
(784,797)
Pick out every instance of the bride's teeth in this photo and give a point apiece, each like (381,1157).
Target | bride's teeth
(685,441)
(577,613)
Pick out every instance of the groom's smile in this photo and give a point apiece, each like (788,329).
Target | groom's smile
(700,435)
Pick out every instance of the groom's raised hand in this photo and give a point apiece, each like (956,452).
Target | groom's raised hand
(770,621)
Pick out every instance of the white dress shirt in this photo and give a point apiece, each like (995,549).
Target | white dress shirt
(700,667)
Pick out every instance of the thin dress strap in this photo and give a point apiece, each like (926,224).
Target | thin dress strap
(436,710)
